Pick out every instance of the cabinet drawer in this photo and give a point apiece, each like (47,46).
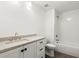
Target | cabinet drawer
(41,42)
(40,50)
(41,54)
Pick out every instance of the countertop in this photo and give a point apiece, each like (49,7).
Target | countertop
(4,46)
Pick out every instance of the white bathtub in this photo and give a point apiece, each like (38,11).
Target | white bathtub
(68,48)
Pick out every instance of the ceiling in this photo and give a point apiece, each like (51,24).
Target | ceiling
(60,6)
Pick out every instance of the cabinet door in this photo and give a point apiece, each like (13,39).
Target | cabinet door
(30,51)
(15,53)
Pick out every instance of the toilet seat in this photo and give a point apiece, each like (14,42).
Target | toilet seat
(50,46)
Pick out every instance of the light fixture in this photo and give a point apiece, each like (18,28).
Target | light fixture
(28,4)
(15,2)
(46,5)
(69,19)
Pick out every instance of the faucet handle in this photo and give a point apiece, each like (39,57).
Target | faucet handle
(16,33)
(57,39)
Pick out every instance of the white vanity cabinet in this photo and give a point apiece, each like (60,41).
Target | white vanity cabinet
(26,51)
(34,49)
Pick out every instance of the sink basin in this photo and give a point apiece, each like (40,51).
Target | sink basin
(13,41)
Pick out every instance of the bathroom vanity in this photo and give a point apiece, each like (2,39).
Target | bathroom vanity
(28,47)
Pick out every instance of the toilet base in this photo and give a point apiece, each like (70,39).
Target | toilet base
(51,55)
(49,52)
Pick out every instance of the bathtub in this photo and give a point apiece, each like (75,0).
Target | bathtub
(68,48)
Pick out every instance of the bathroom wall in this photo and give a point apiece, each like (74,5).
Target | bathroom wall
(17,17)
(50,25)
(69,33)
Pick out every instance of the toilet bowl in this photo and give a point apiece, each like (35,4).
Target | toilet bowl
(50,49)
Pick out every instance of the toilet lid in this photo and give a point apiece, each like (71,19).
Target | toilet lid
(50,45)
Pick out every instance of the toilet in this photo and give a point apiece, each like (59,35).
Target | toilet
(50,49)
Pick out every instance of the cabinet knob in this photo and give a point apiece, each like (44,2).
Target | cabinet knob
(56,35)
(41,49)
(42,57)
(41,42)
(25,49)
(22,50)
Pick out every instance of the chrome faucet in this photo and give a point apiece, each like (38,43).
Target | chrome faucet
(16,36)
(16,33)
